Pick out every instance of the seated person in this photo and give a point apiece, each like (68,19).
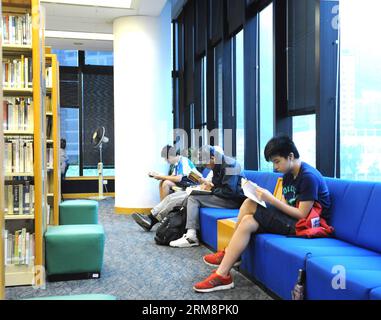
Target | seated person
(303,185)
(226,192)
(159,212)
(64,159)
(182,167)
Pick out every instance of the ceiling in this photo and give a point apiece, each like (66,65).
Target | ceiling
(60,17)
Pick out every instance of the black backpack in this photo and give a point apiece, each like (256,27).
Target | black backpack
(172,226)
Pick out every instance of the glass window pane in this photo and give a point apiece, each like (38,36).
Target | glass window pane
(218,91)
(304,136)
(360,90)
(70,132)
(266,83)
(99,58)
(239,96)
(67,58)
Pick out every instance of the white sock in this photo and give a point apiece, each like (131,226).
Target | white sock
(191,233)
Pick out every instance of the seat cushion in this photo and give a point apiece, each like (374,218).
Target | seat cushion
(284,257)
(361,274)
(73,249)
(78,212)
(375,294)
(208,223)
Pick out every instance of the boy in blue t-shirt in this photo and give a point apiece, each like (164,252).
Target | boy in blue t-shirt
(303,185)
(179,177)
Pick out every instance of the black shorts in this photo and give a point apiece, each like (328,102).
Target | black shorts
(272,220)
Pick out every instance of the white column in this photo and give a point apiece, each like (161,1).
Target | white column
(143,106)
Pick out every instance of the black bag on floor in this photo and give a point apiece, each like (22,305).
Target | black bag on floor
(172,227)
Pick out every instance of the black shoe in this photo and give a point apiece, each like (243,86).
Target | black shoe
(146,222)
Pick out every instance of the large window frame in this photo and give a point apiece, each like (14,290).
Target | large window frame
(80,71)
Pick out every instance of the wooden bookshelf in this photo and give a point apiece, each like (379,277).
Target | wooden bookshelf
(34,223)
(53,140)
(2,262)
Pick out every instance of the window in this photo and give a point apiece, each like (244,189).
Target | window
(304,137)
(360,90)
(266,83)
(204,109)
(239,99)
(99,58)
(67,58)
(70,132)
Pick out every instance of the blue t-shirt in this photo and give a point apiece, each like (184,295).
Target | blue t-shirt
(309,185)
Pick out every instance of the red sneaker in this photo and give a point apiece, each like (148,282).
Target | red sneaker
(214,282)
(215,259)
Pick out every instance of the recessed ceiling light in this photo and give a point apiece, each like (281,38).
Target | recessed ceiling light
(79,35)
(123,4)
(78,43)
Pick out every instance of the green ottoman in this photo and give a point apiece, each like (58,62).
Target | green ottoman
(74,252)
(79,212)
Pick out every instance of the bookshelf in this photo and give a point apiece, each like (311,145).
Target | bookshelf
(2,263)
(24,189)
(53,136)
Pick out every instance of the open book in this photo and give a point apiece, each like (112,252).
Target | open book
(249,188)
(195,191)
(194,177)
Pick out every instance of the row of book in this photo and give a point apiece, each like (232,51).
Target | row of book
(17,73)
(18,114)
(18,154)
(19,248)
(49,157)
(17,29)
(19,198)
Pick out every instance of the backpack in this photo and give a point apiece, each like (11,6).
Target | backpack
(172,227)
(314,226)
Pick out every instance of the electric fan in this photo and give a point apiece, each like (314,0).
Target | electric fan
(98,140)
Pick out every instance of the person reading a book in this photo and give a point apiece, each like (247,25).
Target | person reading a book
(224,192)
(303,185)
(160,211)
(179,177)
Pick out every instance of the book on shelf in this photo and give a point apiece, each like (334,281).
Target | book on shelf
(17,29)
(49,126)
(48,214)
(48,104)
(18,114)
(49,157)
(18,154)
(19,248)
(49,77)
(17,73)
(18,197)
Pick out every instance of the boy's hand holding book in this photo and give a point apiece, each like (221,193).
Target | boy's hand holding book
(254,192)
(154,175)
(264,194)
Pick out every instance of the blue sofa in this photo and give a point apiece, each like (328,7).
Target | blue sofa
(274,260)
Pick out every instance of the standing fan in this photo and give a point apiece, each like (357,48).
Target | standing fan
(98,140)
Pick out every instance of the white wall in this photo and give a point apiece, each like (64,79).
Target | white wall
(143,105)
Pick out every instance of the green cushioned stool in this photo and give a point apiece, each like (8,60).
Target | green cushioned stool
(74,252)
(78,297)
(79,212)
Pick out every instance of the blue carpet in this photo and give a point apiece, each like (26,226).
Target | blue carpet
(135,268)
